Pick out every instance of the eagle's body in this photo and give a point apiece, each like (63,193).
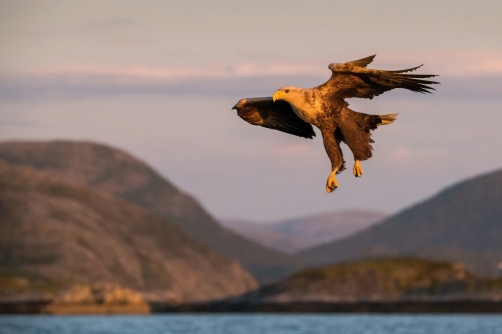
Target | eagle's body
(324,106)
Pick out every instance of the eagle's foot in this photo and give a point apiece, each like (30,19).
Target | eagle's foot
(331,184)
(357,170)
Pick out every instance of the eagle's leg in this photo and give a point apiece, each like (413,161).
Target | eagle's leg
(357,170)
(331,144)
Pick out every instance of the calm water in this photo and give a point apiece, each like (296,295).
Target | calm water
(247,324)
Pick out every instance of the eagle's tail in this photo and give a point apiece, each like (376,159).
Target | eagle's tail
(387,119)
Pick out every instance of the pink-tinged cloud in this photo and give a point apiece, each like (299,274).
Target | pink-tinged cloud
(422,158)
(462,74)
(292,149)
(456,63)
(177,73)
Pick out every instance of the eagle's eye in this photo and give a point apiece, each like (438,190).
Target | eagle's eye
(287,90)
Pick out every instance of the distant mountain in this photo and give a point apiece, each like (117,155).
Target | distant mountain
(266,235)
(317,229)
(54,234)
(114,172)
(294,235)
(462,223)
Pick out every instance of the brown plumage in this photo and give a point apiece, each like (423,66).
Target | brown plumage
(325,107)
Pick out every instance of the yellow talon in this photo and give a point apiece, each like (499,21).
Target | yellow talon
(331,184)
(357,170)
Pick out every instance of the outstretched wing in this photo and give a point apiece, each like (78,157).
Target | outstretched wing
(273,115)
(352,79)
(362,62)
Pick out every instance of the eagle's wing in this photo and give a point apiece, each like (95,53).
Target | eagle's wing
(362,62)
(273,115)
(352,79)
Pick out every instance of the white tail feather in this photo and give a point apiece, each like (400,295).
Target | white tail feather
(387,119)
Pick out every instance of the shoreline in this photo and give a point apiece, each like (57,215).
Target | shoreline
(464,306)
(49,308)
(459,306)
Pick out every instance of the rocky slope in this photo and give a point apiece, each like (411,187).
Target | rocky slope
(55,234)
(117,173)
(462,223)
(294,235)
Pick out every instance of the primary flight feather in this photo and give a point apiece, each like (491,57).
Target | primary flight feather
(294,110)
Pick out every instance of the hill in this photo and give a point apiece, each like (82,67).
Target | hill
(376,280)
(54,234)
(114,172)
(462,223)
(294,235)
(395,285)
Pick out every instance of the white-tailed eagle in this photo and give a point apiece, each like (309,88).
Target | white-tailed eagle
(294,110)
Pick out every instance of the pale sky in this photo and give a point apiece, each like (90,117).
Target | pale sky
(159,78)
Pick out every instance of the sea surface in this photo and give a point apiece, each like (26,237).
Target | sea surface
(255,323)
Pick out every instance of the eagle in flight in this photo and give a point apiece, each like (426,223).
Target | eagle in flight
(294,110)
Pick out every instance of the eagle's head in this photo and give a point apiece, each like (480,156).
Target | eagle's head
(288,94)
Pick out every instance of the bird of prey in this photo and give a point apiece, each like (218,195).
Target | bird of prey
(294,110)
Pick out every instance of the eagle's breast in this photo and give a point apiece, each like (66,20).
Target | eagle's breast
(308,107)
(306,113)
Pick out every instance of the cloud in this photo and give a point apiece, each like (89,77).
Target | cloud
(453,63)
(463,74)
(429,158)
(74,85)
(400,153)
(139,82)
(178,73)
(292,149)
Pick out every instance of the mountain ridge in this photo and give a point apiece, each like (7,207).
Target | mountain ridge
(56,234)
(117,173)
(294,235)
(462,223)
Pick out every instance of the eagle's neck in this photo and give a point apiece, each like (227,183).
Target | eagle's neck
(304,106)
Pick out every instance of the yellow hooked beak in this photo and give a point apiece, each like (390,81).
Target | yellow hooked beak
(278,95)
